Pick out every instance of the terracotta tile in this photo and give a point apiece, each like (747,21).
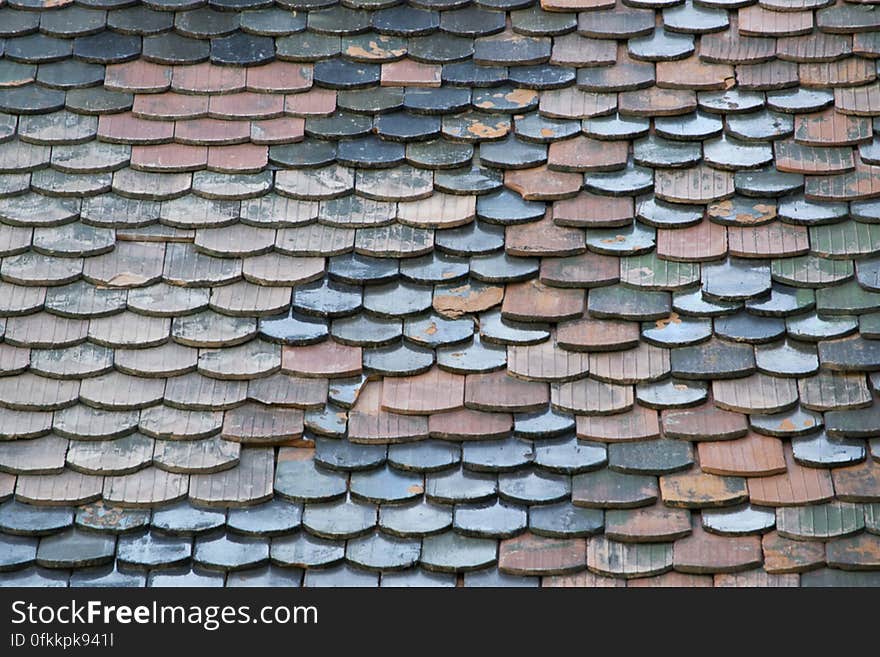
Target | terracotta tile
(546,362)
(591,397)
(542,184)
(753,455)
(586,270)
(583,579)
(472,297)
(732,48)
(279,77)
(861,552)
(758,393)
(169,157)
(815,47)
(498,391)
(534,301)
(7,485)
(657,102)
(315,102)
(858,483)
(543,238)
(137,76)
(128,129)
(241,158)
(260,424)
(860,101)
(757,21)
(695,489)
(66,489)
(247,484)
(410,73)
(771,240)
(861,184)
(831,128)
(701,242)
(783,555)
(702,552)
(574,5)
(592,210)
(211,132)
(571,103)
(643,363)
(586,154)
(848,72)
(799,485)
(694,73)
(638,424)
(286,130)
(756,578)
(169,105)
(705,422)
(328,359)
(438,211)
(767,75)
(672,580)
(699,184)
(246,105)
(792,157)
(468,424)
(368,423)
(657,523)
(434,391)
(628,560)
(829,391)
(576,50)
(529,554)
(206,78)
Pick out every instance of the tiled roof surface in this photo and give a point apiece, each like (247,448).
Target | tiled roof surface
(570,293)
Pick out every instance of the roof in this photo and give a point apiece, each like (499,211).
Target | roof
(439,293)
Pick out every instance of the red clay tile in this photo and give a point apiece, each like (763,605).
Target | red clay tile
(126,128)
(410,73)
(756,578)
(286,130)
(279,77)
(529,554)
(655,101)
(757,393)
(468,424)
(753,455)
(831,128)
(776,74)
(758,21)
(328,359)
(316,102)
(860,101)
(861,183)
(211,132)
(497,391)
(650,524)
(534,301)
(792,157)
(696,489)
(700,184)
(771,240)
(169,105)
(701,242)
(467,298)
(368,423)
(694,73)
(798,485)
(586,270)
(783,555)
(586,154)
(702,552)
(583,579)
(242,158)
(246,105)
(704,422)
(546,362)
(848,72)
(858,483)
(638,424)
(206,78)
(861,552)
(434,391)
(137,76)
(593,211)
(543,238)
(591,397)
(169,157)
(643,363)
(672,580)
(542,184)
